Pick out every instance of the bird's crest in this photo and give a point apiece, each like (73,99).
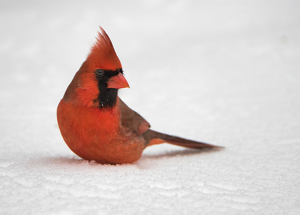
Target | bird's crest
(103,55)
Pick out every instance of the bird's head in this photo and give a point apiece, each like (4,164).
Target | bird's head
(99,78)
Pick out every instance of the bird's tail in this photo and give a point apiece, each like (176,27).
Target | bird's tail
(154,137)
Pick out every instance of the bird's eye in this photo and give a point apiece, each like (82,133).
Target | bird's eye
(99,72)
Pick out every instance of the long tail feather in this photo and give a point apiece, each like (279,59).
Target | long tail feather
(154,137)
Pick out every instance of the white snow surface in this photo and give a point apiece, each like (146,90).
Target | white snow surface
(223,72)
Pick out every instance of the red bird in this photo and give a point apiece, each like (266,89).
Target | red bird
(95,123)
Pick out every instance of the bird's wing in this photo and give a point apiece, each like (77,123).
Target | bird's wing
(132,120)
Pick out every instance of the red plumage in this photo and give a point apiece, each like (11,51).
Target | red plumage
(103,54)
(95,123)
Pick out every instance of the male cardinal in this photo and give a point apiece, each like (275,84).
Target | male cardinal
(95,123)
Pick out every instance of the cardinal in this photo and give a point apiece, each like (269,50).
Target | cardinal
(96,124)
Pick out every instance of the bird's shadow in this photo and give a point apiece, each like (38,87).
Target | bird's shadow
(180,152)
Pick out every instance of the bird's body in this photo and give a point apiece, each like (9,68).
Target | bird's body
(95,123)
(103,139)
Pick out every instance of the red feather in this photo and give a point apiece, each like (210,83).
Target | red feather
(103,54)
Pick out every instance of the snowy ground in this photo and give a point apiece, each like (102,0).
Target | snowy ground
(224,72)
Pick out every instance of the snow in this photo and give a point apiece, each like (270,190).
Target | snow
(223,72)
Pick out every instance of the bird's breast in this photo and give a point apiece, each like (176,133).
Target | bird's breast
(87,129)
(97,134)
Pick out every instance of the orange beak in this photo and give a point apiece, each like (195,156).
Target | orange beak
(117,82)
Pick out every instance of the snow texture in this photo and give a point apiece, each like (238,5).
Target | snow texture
(223,72)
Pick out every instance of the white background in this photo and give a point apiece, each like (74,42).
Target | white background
(223,72)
